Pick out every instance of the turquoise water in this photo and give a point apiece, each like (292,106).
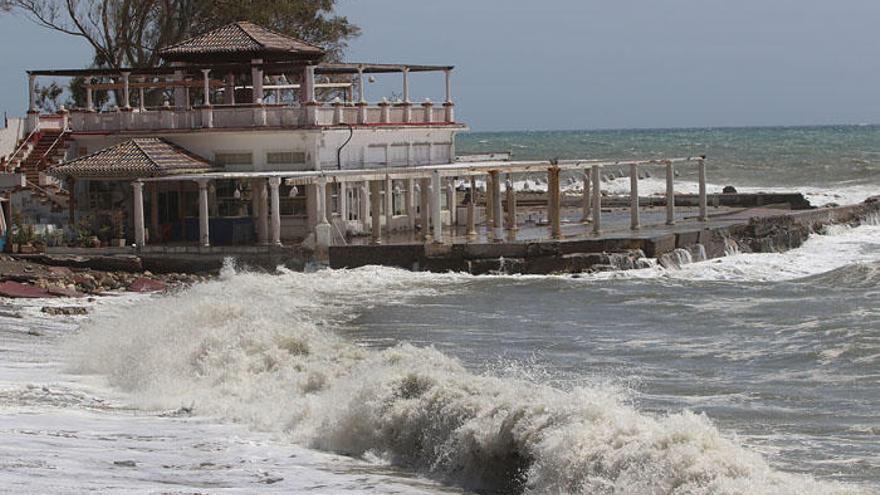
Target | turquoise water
(827,157)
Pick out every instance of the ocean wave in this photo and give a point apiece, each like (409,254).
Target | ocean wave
(260,349)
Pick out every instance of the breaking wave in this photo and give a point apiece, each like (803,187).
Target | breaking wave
(261,350)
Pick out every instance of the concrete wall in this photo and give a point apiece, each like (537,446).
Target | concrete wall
(10,136)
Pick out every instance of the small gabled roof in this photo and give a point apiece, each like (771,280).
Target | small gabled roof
(242,40)
(135,158)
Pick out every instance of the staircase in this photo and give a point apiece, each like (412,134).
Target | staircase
(49,147)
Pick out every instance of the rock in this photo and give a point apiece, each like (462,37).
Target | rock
(17,290)
(64,292)
(65,310)
(34,332)
(728,190)
(125,463)
(60,271)
(144,284)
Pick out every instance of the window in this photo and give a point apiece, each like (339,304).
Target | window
(285,157)
(292,206)
(233,159)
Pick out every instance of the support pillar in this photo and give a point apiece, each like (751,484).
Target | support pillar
(597,201)
(511,209)
(490,210)
(389,206)
(154,213)
(410,204)
(634,222)
(126,91)
(90,99)
(375,210)
(451,202)
(704,203)
(342,201)
(32,93)
(275,203)
(497,211)
(436,212)
(471,210)
(322,228)
(229,92)
(553,202)
(586,198)
(257,80)
(140,238)
(424,206)
(364,205)
(204,219)
(670,194)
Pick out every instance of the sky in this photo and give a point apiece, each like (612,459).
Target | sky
(590,64)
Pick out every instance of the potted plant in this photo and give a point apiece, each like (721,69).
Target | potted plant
(118,219)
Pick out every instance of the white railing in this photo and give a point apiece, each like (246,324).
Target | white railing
(244,116)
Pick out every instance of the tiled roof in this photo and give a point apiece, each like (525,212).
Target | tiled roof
(242,37)
(139,157)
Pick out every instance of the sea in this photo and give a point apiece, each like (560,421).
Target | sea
(748,374)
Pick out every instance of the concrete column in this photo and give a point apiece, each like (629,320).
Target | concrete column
(90,99)
(257,80)
(154,213)
(670,194)
(375,210)
(448,74)
(275,203)
(322,228)
(554,202)
(260,202)
(410,204)
(32,93)
(597,201)
(490,210)
(406,85)
(229,93)
(704,203)
(471,210)
(140,238)
(204,219)
(436,212)
(126,91)
(389,206)
(206,86)
(586,198)
(634,223)
(497,211)
(361,86)
(511,208)
(451,201)
(342,200)
(424,206)
(142,101)
(308,85)
(364,205)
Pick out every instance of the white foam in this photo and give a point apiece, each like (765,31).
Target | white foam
(259,350)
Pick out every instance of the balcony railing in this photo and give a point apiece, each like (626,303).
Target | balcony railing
(256,116)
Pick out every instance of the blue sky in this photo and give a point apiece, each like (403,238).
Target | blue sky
(583,64)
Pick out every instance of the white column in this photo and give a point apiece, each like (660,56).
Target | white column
(32,93)
(322,229)
(597,201)
(342,201)
(448,73)
(126,91)
(450,201)
(361,87)
(204,219)
(410,204)
(424,207)
(497,211)
(406,85)
(634,197)
(257,80)
(206,78)
(471,210)
(670,194)
(275,201)
(261,210)
(139,234)
(436,213)
(142,104)
(308,85)
(90,102)
(375,210)
(364,204)
(704,204)
(229,93)
(389,205)
(586,197)
(511,207)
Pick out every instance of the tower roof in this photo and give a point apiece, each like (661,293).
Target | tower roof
(241,40)
(135,158)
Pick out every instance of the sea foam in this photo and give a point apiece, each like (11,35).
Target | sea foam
(261,350)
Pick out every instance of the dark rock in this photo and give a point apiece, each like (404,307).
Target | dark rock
(17,290)
(65,310)
(729,190)
(144,284)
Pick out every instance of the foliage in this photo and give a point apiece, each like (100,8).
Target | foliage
(48,97)
(21,233)
(129,33)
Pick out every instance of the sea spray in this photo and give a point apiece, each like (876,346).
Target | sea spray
(260,349)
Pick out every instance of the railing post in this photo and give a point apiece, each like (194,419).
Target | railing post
(429,110)
(597,201)
(634,196)
(385,109)
(670,194)
(704,213)
(337,111)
